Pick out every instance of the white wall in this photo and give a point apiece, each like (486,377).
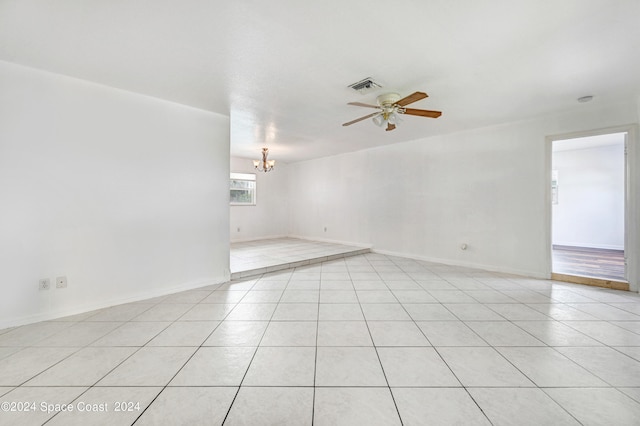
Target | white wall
(590,209)
(124,194)
(486,188)
(269,218)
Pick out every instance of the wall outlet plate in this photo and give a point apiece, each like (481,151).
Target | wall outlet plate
(44,284)
(61,282)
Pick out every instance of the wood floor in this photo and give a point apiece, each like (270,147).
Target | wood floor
(589,262)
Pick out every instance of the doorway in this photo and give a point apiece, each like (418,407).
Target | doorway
(588,182)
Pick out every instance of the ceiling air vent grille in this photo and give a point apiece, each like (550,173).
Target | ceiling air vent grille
(365,86)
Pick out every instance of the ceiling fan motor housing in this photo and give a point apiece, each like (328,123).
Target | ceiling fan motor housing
(388,99)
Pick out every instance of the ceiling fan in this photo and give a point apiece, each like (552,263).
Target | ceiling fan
(389,105)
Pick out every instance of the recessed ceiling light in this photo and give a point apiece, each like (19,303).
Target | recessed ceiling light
(585,99)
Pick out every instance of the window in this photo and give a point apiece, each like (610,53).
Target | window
(242,189)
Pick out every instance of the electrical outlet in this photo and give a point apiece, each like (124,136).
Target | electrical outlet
(238,229)
(61,282)
(325,229)
(44,284)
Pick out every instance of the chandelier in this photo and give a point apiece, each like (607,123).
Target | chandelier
(264,165)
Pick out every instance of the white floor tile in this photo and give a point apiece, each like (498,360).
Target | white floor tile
(215,366)
(450,333)
(272,406)
(343,333)
(225,297)
(608,364)
(606,332)
(428,312)
(489,296)
(598,406)
(290,333)
(384,312)
(452,296)
(296,312)
(633,352)
(631,392)
(282,366)
(482,367)
(336,285)
(185,333)
(148,367)
(376,296)
(208,312)
(437,406)
(164,312)
(521,406)
(354,406)
(416,367)
(375,284)
(189,406)
(473,312)
(554,333)
(237,333)
(300,296)
(348,366)
(252,312)
(338,296)
(413,296)
(120,312)
(83,368)
(27,363)
(548,368)
(340,312)
(396,333)
(262,296)
(502,333)
(31,334)
(132,334)
(80,334)
(561,312)
(516,312)
(605,312)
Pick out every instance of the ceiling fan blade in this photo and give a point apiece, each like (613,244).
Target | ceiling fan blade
(361,118)
(422,112)
(414,97)
(390,127)
(363,105)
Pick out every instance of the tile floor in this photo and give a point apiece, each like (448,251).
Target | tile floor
(364,340)
(252,258)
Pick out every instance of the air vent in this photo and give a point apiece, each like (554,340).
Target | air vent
(365,86)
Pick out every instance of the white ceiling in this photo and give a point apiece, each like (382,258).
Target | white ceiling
(280,68)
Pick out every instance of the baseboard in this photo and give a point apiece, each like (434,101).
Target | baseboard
(327,240)
(48,316)
(451,262)
(245,240)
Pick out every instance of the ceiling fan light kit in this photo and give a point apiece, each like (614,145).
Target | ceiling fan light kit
(390,105)
(264,165)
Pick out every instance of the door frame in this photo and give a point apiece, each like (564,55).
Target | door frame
(631,203)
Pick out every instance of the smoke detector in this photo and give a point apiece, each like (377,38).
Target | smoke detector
(365,86)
